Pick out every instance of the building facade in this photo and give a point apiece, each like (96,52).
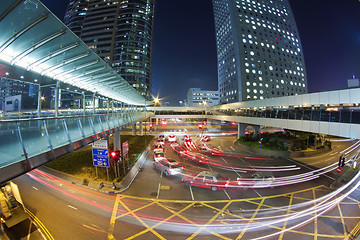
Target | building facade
(259,52)
(120,32)
(16,95)
(197,97)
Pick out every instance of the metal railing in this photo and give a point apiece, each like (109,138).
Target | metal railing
(345,115)
(27,138)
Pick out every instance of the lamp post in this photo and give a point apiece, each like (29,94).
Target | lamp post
(204,118)
(145,125)
(156,100)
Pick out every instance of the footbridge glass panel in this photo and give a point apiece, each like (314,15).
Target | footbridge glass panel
(24,139)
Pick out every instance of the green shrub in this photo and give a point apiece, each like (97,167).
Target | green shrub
(80,162)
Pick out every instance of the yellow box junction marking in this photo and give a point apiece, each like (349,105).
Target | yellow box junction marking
(258,201)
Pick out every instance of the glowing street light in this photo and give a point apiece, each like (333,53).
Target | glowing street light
(156,100)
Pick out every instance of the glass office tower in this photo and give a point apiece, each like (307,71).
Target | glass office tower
(120,32)
(258,49)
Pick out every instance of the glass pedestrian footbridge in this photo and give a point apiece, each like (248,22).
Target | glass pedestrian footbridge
(28,143)
(335,113)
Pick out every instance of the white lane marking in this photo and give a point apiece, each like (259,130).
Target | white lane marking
(241,159)
(227,194)
(158,191)
(309,168)
(257,193)
(35,188)
(94,228)
(332,154)
(223,159)
(232,148)
(191,192)
(232,167)
(72,207)
(210,167)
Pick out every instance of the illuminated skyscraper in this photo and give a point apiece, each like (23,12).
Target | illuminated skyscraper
(120,32)
(258,49)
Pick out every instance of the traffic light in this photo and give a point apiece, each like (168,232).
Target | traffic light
(115,156)
(260,142)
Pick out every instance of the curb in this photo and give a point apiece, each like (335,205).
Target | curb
(130,177)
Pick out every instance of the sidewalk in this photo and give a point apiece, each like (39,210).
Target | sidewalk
(2,234)
(98,185)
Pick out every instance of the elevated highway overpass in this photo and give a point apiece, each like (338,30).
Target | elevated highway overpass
(335,113)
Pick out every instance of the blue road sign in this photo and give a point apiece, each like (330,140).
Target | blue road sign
(100,157)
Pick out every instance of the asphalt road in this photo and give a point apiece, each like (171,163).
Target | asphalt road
(159,207)
(153,184)
(66,210)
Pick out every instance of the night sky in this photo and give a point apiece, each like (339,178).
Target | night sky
(184,47)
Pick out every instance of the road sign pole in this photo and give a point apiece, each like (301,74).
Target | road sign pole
(115,170)
(123,160)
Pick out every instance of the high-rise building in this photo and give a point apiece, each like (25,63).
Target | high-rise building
(259,53)
(197,97)
(120,32)
(17,95)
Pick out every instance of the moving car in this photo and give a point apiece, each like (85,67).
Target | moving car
(168,166)
(187,138)
(263,180)
(205,138)
(189,144)
(187,155)
(161,137)
(176,147)
(202,147)
(205,179)
(158,148)
(172,138)
(162,142)
(159,156)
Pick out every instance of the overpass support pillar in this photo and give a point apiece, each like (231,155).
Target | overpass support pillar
(57,103)
(39,102)
(134,129)
(256,130)
(84,104)
(241,130)
(117,142)
(141,130)
(93,102)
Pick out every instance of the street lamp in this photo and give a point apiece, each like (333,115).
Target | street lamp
(203,117)
(204,103)
(156,100)
(145,125)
